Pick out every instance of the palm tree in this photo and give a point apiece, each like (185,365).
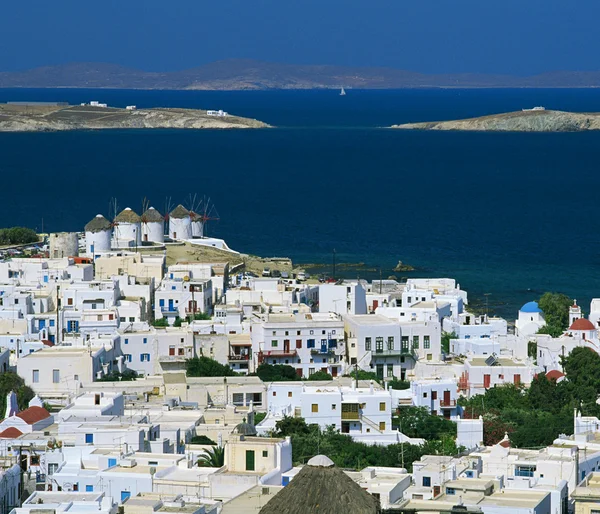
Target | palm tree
(213,458)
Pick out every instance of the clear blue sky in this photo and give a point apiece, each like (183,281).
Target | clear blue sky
(432,36)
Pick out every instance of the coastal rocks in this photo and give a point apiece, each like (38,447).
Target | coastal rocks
(93,118)
(520,121)
(403,267)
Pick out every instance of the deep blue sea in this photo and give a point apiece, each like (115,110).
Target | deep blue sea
(508,214)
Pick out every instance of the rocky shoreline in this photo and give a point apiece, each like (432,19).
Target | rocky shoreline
(51,118)
(519,121)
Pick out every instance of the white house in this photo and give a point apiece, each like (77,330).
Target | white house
(530,320)
(346,298)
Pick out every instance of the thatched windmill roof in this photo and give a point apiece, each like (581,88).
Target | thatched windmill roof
(152,216)
(179,212)
(321,488)
(98,224)
(128,216)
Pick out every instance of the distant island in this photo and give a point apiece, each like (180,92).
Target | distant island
(530,120)
(245,74)
(49,116)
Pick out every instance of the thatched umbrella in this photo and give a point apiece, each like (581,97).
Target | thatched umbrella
(322,488)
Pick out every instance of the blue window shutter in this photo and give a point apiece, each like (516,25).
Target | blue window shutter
(161,303)
(112,463)
(89,488)
(89,438)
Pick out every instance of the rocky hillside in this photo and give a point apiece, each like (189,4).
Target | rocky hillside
(38,118)
(520,121)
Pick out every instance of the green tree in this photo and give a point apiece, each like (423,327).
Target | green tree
(206,367)
(10,381)
(289,425)
(17,236)
(320,375)
(177,322)
(259,416)
(202,439)
(161,323)
(399,384)
(202,316)
(363,375)
(446,336)
(556,313)
(418,422)
(212,458)
(276,372)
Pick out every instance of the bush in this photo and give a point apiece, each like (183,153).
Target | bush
(17,236)
(364,375)
(206,367)
(160,323)
(115,376)
(399,384)
(320,375)
(276,372)
(259,416)
(202,316)
(202,439)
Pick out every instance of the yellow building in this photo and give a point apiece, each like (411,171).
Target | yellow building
(587,495)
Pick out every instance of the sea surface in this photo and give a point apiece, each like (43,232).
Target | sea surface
(512,215)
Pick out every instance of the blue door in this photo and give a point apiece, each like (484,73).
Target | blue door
(42,323)
(171,308)
(112,463)
(125,495)
(323,346)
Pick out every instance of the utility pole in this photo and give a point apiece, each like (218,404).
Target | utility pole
(57,338)
(380,281)
(333,263)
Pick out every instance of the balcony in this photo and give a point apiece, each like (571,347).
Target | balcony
(239,357)
(396,352)
(447,404)
(321,351)
(169,309)
(280,353)
(350,412)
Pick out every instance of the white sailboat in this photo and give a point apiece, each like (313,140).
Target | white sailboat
(343,92)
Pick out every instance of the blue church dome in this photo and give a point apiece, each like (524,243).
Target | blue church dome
(531,307)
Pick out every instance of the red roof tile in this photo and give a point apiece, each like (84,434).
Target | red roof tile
(582,324)
(33,415)
(554,374)
(10,433)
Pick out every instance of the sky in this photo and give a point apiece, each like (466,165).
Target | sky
(518,37)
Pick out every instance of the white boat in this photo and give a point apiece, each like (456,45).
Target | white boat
(538,108)
(342,92)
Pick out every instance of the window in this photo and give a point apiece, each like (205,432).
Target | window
(367,344)
(450,490)
(312,332)
(145,340)
(311,371)
(152,463)
(298,344)
(426,481)
(69,301)
(75,377)
(390,343)
(274,332)
(333,406)
(34,460)
(89,438)
(315,407)
(390,370)
(52,467)
(382,426)
(404,343)
(382,406)
(94,306)
(424,395)
(274,393)
(289,394)
(55,376)
(97,399)
(89,488)
(131,319)
(524,471)
(128,357)
(415,342)
(287,333)
(265,453)
(35,376)
(100,317)
(378,344)
(426,342)
(51,322)
(310,343)
(298,332)
(274,344)
(126,341)
(434,395)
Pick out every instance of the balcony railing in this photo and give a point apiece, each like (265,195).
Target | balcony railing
(239,357)
(402,352)
(169,309)
(321,351)
(448,404)
(280,353)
